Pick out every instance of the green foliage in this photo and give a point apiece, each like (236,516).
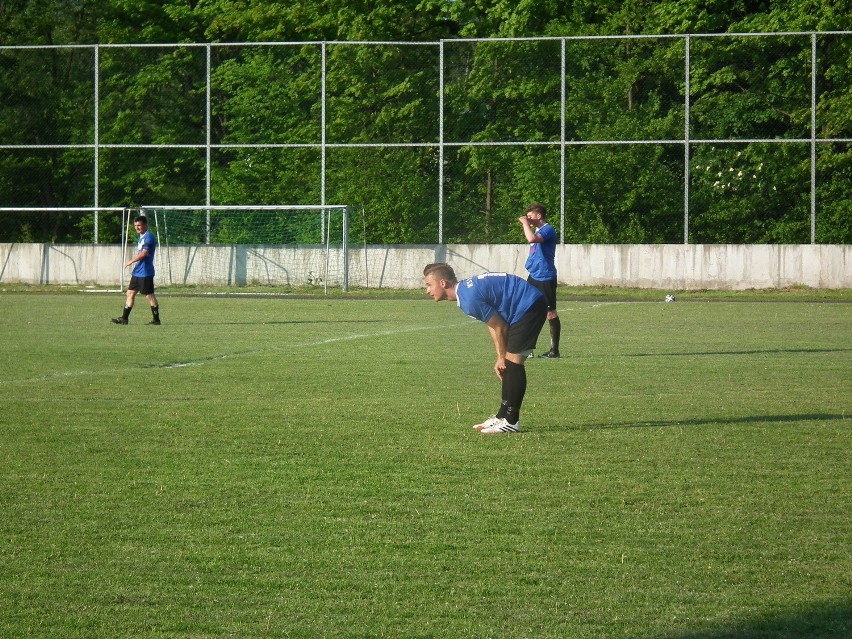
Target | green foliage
(402,211)
(266,95)
(834,178)
(494,91)
(752,87)
(749,193)
(191,228)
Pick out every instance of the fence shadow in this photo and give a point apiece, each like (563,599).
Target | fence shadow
(704,421)
(759,351)
(820,621)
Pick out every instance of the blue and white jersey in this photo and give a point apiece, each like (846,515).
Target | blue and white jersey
(540,263)
(145,267)
(501,293)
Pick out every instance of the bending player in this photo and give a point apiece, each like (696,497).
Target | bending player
(514,312)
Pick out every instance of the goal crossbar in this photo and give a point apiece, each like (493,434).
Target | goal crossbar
(156,211)
(239,207)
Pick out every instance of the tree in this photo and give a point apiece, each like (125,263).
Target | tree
(503,91)
(46,98)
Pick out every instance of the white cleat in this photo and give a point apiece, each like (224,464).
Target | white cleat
(488,423)
(501,427)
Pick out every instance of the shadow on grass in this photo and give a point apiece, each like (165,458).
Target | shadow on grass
(763,351)
(707,421)
(824,621)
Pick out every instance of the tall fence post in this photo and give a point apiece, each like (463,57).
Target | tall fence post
(686,143)
(441,142)
(562,148)
(813,135)
(208,125)
(97,139)
(323,98)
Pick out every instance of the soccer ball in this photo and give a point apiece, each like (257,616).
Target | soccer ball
(670,298)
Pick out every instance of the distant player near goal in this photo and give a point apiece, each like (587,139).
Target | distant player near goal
(514,312)
(142,276)
(541,265)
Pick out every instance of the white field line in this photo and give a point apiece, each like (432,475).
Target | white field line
(268,349)
(205,360)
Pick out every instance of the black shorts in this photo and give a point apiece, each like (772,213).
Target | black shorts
(523,334)
(144,285)
(548,289)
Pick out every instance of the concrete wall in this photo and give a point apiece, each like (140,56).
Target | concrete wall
(661,266)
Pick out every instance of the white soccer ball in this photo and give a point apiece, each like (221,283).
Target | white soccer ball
(670,298)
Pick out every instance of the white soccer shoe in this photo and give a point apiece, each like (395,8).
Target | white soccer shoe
(488,423)
(501,427)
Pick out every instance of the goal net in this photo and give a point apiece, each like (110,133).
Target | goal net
(228,246)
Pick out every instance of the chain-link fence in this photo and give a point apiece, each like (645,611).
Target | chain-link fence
(724,138)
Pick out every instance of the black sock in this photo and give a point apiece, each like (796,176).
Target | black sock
(555,332)
(515,387)
(155,311)
(504,407)
(504,402)
(126,312)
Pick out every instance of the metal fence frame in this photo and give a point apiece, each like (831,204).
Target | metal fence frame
(687,141)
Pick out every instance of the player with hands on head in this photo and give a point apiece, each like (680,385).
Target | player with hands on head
(514,312)
(541,265)
(142,275)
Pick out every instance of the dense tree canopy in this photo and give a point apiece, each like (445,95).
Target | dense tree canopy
(382,85)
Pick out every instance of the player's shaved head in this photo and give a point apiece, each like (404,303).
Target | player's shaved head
(440,271)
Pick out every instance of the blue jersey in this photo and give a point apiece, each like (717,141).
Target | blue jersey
(507,295)
(540,263)
(145,267)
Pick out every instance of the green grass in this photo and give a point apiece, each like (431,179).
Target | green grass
(306,468)
(574,293)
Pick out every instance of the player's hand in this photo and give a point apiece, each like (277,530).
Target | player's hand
(500,367)
(523,220)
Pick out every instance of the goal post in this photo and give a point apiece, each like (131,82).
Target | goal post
(244,245)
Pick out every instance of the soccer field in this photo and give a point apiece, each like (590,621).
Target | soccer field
(307,468)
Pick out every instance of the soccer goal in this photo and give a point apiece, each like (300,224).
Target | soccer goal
(262,245)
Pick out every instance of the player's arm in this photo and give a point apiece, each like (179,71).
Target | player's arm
(499,330)
(529,231)
(141,255)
